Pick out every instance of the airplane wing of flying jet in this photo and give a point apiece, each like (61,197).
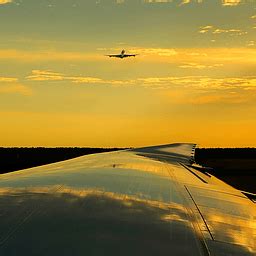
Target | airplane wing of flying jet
(121,55)
(146,201)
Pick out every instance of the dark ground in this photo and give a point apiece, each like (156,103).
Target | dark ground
(235,166)
(13,159)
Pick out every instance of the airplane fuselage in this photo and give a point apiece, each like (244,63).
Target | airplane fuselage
(122,54)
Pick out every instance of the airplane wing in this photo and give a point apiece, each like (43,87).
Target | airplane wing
(130,55)
(146,201)
(114,55)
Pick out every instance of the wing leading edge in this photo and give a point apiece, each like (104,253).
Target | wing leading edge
(121,56)
(143,201)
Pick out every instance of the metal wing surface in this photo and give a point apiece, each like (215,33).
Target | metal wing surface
(148,201)
(114,55)
(130,55)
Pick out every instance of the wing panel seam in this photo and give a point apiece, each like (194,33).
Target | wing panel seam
(199,213)
(193,173)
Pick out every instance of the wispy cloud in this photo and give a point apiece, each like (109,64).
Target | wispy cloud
(231,2)
(5,1)
(201,82)
(251,43)
(8,79)
(157,1)
(230,31)
(42,75)
(183,2)
(199,66)
(205,29)
(157,51)
(190,1)
(45,75)
(213,30)
(197,82)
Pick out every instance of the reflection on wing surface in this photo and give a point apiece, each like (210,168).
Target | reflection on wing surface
(135,202)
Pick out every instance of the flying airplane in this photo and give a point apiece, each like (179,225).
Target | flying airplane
(121,55)
(145,201)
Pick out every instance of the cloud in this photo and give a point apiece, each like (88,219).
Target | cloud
(200,82)
(157,1)
(196,90)
(5,1)
(86,80)
(8,79)
(41,75)
(211,29)
(157,51)
(184,2)
(45,75)
(251,43)
(205,29)
(199,66)
(190,1)
(196,82)
(231,2)
(238,32)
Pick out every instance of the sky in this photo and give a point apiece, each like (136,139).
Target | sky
(194,79)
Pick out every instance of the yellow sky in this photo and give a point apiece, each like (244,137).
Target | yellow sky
(194,79)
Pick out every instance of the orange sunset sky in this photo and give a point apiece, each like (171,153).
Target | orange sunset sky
(193,81)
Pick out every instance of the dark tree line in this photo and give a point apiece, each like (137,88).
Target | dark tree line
(12,159)
(235,166)
(227,153)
